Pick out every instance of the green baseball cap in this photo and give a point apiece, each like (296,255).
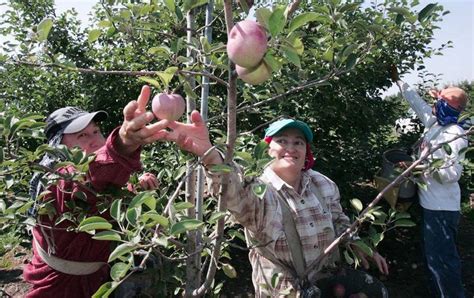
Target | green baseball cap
(279,125)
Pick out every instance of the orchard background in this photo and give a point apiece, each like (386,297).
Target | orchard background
(329,62)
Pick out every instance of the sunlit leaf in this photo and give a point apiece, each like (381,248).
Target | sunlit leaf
(216,216)
(93,35)
(186,225)
(263,17)
(94,223)
(406,223)
(43,29)
(121,250)
(364,247)
(357,204)
(107,235)
(304,19)
(277,21)
(119,270)
(259,190)
(229,270)
(150,81)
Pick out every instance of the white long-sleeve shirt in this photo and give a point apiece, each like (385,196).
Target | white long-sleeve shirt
(442,192)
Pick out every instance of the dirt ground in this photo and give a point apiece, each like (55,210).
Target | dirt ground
(401,247)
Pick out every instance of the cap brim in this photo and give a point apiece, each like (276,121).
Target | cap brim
(301,126)
(81,122)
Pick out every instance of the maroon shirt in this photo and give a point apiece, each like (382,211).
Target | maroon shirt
(108,169)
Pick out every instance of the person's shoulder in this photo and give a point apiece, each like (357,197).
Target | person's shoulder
(318,177)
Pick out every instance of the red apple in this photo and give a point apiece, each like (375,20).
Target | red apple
(254,76)
(168,106)
(247,44)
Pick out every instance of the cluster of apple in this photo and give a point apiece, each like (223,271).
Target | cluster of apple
(246,47)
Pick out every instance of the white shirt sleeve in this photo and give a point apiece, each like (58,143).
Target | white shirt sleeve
(421,108)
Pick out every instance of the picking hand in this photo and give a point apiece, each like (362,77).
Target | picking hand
(193,137)
(376,257)
(148,181)
(136,130)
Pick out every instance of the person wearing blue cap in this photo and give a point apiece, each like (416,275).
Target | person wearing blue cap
(66,263)
(299,205)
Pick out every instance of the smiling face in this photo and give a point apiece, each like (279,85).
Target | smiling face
(288,147)
(89,139)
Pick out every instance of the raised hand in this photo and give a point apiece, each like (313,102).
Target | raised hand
(193,137)
(136,130)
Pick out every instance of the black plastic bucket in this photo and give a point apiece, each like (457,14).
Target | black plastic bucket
(390,159)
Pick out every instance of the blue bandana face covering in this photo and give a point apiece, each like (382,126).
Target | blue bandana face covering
(445,114)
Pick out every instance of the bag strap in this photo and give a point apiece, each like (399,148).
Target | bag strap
(292,238)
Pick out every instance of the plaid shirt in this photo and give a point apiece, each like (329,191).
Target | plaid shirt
(317,225)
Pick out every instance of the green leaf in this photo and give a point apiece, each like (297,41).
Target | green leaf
(260,150)
(364,247)
(104,291)
(328,55)
(426,12)
(259,190)
(167,75)
(351,61)
(348,258)
(437,163)
(190,4)
(24,208)
(132,215)
(348,50)
(304,19)
(107,235)
(277,21)
(271,61)
(186,225)
(121,250)
(221,168)
(229,270)
(93,35)
(155,219)
(179,172)
(447,148)
(263,17)
(377,238)
(183,205)
(94,223)
(357,204)
(275,279)
(406,223)
(216,216)
(150,81)
(115,210)
(291,55)
(402,215)
(401,10)
(43,29)
(170,5)
(144,197)
(119,270)
(244,156)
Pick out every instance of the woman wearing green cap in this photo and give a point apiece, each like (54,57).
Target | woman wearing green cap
(293,191)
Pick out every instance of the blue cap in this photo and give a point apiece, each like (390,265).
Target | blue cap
(279,125)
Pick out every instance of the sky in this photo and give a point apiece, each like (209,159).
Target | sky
(456,64)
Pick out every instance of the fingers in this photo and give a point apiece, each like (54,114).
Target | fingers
(196,118)
(129,110)
(143,99)
(381,263)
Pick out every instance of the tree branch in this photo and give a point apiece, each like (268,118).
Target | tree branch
(135,73)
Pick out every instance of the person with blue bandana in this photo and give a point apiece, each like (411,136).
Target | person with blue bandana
(441,198)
